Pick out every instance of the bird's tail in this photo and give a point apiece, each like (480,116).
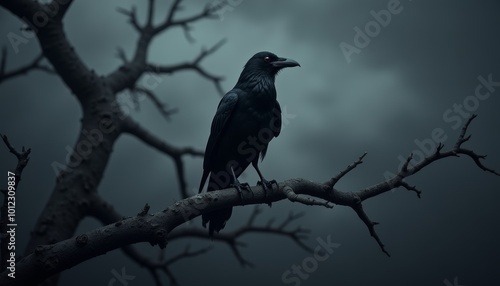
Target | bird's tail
(216,219)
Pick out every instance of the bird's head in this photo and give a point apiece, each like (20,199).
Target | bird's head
(269,63)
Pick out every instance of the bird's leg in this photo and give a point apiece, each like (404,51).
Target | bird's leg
(239,186)
(266,185)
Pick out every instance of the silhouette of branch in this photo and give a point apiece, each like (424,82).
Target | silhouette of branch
(297,235)
(126,75)
(132,15)
(133,128)
(23,70)
(162,107)
(160,227)
(106,214)
(194,65)
(330,184)
(22,161)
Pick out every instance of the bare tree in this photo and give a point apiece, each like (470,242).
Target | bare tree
(52,247)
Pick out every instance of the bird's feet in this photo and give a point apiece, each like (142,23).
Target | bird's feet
(267,186)
(240,186)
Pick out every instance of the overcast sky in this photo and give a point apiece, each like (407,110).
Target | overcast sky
(385,92)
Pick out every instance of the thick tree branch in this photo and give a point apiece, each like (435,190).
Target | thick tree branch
(54,44)
(106,214)
(159,228)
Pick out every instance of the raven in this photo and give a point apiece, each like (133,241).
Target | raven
(247,118)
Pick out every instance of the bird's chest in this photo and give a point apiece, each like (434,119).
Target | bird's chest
(256,116)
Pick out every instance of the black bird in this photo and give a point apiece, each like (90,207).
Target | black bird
(247,119)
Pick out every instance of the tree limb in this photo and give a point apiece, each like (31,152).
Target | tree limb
(22,161)
(33,65)
(133,128)
(162,107)
(106,214)
(126,75)
(297,235)
(158,228)
(193,65)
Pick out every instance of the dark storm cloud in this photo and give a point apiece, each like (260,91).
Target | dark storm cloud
(386,101)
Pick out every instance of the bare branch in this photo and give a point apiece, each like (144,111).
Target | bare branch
(133,128)
(404,168)
(132,15)
(194,65)
(293,197)
(151,7)
(156,265)
(22,157)
(461,138)
(297,235)
(33,65)
(331,183)
(181,177)
(172,10)
(120,53)
(162,107)
(128,73)
(358,208)
(175,153)
(477,159)
(187,253)
(186,28)
(106,214)
(145,210)
(411,188)
(159,228)
(256,211)
(207,13)
(22,161)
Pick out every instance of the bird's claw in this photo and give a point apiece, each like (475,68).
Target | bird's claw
(240,186)
(267,186)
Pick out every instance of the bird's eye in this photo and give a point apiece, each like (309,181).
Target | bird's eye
(267,59)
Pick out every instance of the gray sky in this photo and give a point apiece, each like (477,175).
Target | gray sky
(391,94)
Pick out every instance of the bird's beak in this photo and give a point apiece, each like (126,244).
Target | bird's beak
(284,63)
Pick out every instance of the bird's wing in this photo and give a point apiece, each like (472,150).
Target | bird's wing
(276,126)
(219,123)
(277,119)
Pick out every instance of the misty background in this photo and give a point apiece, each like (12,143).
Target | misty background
(395,91)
